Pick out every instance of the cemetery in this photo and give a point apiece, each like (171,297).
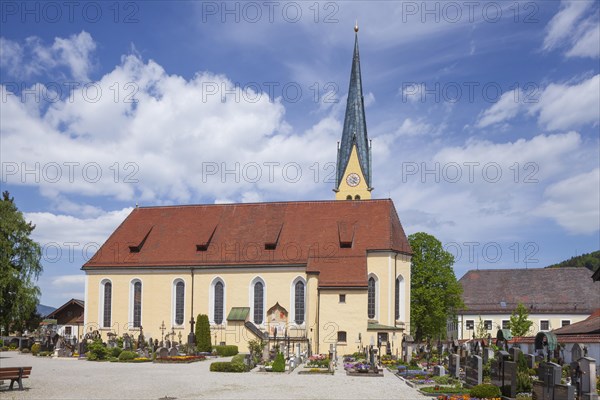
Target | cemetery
(473,369)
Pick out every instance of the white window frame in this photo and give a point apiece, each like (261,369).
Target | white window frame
(211,301)
(174,302)
(103,282)
(251,298)
(292,319)
(402,298)
(131,301)
(377,291)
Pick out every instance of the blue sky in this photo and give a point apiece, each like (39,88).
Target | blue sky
(484,117)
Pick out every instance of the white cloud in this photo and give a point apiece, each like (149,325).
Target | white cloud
(459,194)
(573,203)
(505,109)
(68,280)
(33,57)
(558,106)
(66,231)
(567,107)
(164,146)
(416,128)
(570,27)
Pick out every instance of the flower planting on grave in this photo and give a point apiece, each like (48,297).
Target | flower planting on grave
(318,361)
(179,359)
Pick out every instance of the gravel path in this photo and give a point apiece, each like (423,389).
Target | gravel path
(79,379)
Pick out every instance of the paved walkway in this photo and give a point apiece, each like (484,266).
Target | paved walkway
(79,379)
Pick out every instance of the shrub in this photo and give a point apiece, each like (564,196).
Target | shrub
(524,384)
(203,342)
(127,355)
(12,346)
(35,349)
(44,354)
(1,343)
(226,351)
(227,367)
(238,359)
(97,350)
(256,347)
(485,391)
(115,352)
(279,363)
(25,350)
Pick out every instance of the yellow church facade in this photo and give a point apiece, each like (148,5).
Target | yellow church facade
(317,274)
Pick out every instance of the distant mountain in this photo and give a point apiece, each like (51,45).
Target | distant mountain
(44,310)
(590,261)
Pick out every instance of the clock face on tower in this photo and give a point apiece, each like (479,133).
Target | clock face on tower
(353,179)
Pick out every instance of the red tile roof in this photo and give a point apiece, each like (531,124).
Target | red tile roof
(541,290)
(266,234)
(591,325)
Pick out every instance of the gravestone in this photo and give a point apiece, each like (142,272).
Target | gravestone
(576,352)
(150,343)
(83,348)
(488,354)
(504,374)
(143,353)
(588,378)
(530,358)
(173,352)
(439,370)
(168,344)
(514,353)
(474,371)
(509,387)
(548,386)
(454,365)
(163,352)
(126,342)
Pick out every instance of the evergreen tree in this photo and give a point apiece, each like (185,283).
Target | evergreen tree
(519,323)
(435,292)
(19,267)
(203,341)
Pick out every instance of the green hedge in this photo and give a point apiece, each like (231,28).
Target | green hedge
(485,391)
(236,364)
(227,367)
(226,351)
(127,355)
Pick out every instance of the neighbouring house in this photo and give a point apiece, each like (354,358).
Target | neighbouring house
(321,273)
(554,298)
(69,319)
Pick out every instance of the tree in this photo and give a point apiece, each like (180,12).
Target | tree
(480,331)
(20,267)
(519,323)
(203,341)
(435,293)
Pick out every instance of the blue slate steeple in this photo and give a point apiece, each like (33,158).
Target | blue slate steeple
(355,125)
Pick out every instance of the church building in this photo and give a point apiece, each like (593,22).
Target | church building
(314,273)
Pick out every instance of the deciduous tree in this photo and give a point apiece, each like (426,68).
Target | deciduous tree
(519,322)
(20,267)
(435,293)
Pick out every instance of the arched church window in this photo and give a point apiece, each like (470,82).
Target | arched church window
(218,310)
(299,302)
(371,298)
(258,302)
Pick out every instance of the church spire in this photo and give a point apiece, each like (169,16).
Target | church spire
(354,135)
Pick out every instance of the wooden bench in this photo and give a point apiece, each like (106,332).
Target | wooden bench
(15,374)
